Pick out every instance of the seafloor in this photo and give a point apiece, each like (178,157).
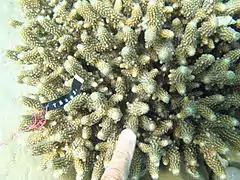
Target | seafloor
(16,162)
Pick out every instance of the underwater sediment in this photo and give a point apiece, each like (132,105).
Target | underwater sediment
(167,69)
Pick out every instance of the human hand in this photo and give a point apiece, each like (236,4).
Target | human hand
(118,167)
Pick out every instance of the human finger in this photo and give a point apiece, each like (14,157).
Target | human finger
(119,165)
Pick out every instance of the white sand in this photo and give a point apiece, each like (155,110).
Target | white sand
(15,162)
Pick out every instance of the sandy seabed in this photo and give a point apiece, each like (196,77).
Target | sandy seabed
(16,163)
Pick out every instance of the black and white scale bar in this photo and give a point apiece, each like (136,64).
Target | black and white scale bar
(60,102)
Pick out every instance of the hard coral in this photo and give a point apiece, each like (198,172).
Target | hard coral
(167,69)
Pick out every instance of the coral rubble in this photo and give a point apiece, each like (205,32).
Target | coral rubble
(167,69)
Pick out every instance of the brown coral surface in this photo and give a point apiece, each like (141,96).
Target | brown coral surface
(167,69)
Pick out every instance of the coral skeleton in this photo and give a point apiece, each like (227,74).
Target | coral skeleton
(167,69)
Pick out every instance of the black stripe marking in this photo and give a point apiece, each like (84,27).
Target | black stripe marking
(60,102)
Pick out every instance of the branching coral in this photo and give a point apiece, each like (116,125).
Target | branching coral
(167,69)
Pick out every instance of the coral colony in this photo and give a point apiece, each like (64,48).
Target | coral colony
(167,69)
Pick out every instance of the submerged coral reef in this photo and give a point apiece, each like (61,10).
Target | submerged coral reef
(167,69)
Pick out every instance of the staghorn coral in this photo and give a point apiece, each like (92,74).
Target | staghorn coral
(167,69)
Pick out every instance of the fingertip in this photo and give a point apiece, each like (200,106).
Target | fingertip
(129,134)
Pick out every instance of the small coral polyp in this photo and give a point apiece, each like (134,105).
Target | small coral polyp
(167,69)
